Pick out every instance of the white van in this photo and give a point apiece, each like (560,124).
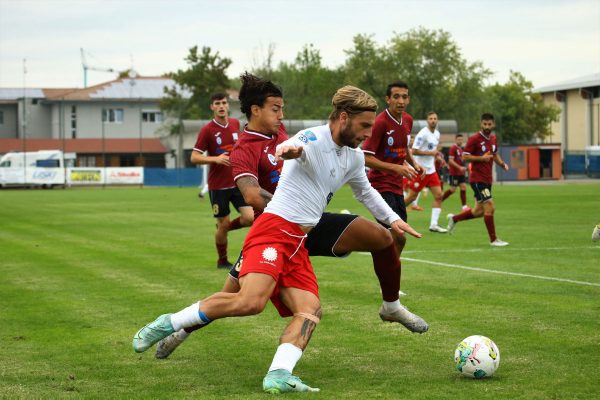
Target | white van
(45,168)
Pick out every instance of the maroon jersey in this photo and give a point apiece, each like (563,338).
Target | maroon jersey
(254,155)
(479,145)
(216,139)
(389,143)
(455,154)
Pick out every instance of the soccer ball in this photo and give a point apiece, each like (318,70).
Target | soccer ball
(477,357)
(344,211)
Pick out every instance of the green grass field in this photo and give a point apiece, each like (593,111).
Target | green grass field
(83,269)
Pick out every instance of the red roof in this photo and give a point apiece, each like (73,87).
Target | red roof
(85,146)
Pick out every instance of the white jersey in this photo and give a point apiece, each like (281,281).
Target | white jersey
(308,183)
(426,141)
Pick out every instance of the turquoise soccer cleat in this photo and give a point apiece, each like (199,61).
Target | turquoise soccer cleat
(282,381)
(152,333)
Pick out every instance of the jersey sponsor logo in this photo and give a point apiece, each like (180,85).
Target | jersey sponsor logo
(272,159)
(235,136)
(266,149)
(329,196)
(332,172)
(311,136)
(302,137)
(390,141)
(274,176)
(394,153)
(390,132)
(430,146)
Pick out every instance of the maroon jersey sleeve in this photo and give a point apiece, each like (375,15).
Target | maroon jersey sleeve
(470,146)
(244,161)
(202,141)
(371,145)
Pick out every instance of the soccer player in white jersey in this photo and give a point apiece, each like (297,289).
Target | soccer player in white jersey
(276,264)
(424,149)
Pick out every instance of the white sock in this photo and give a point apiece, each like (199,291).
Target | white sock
(391,306)
(286,357)
(435,216)
(186,318)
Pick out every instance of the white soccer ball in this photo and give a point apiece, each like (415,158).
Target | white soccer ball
(344,211)
(477,357)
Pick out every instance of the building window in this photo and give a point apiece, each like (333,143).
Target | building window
(73,122)
(152,116)
(127,160)
(114,115)
(87,161)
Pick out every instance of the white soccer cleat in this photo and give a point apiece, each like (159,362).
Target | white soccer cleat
(438,229)
(166,346)
(596,234)
(411,321)
(498,243)
(451,223)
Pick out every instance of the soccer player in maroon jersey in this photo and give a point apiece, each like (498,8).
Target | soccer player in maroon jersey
(256,171)
(215,142)
(482,151)
(456,171)
(387,154)
(251,299)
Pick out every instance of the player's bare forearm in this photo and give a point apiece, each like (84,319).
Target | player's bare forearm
(254,195)
(454,164)
(498,160)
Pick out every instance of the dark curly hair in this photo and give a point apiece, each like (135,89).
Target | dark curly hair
(255,91)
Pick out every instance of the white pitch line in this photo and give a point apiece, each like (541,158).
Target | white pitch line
(492,271)
(503,250)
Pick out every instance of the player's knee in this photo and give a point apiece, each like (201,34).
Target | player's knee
(382,236)
(251,306)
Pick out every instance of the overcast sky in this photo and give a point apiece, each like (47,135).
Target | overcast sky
(548,41)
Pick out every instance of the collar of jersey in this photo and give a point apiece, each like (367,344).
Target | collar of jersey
(222,126)
(392,117)
(246,130)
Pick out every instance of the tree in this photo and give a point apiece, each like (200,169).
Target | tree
(190,97)
(430,62)
(307,84)
(521,115)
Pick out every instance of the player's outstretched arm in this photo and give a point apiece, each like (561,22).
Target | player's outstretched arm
(254,195)
(401,227)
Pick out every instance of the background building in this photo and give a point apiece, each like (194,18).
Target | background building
(578,128)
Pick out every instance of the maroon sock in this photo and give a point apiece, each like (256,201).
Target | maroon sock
(447,194)
(222,251)
(387,268)
(463,197)
(491,228)
(235,224)
(463,216)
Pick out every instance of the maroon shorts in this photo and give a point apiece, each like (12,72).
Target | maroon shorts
(275,247)
(428,180)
